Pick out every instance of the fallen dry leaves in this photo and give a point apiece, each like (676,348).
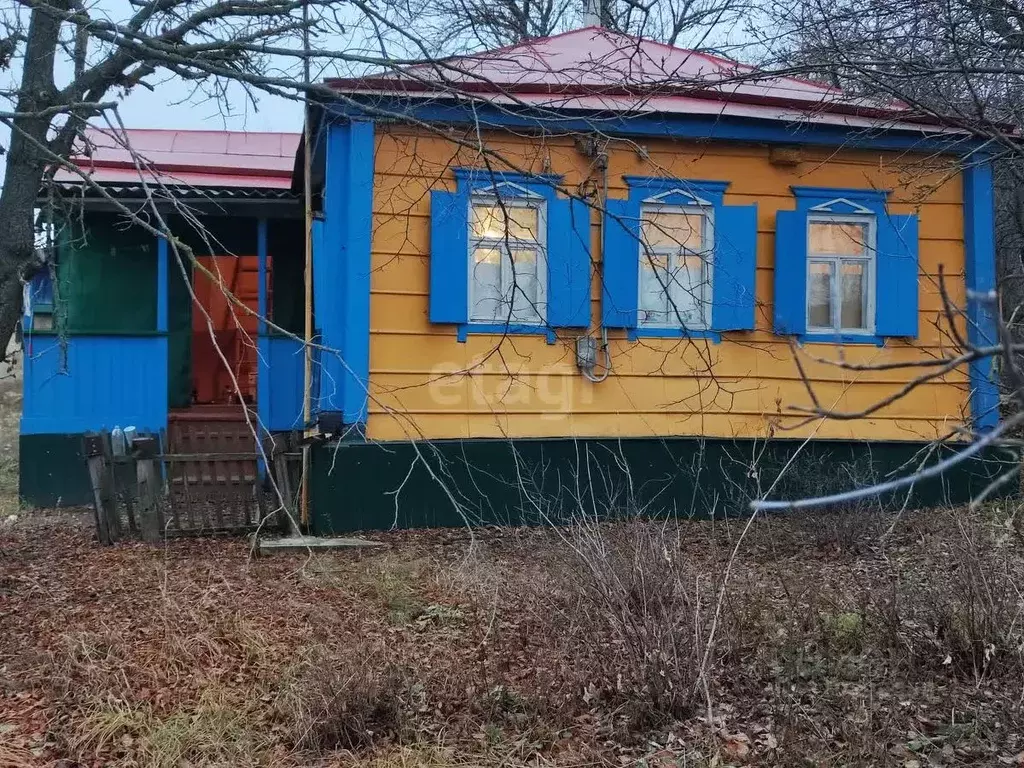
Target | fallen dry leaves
(194,653)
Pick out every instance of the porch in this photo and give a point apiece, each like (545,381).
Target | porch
(143,336)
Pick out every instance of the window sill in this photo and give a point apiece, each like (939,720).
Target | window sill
(841,338)
(672,333)
(501,329)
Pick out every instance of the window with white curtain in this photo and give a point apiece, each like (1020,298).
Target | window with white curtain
(840,274)
(507,258)
(675,267)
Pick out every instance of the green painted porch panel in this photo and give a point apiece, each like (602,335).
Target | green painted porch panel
(374,486)
(52,471)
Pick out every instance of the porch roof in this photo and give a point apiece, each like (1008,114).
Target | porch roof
(221,163)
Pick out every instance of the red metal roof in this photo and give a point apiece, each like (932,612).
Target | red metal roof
(186,158)
(599,69)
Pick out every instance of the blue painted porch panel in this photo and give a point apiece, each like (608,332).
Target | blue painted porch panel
(280,383)
(108,381)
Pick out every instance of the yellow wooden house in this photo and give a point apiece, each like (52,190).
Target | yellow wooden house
(598,272)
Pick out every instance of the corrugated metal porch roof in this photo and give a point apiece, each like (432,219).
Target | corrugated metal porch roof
(184,159)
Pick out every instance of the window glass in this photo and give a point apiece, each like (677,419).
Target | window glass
(490,221)
(653,281)
(507,256)
(853,294)
(839,276)
(692,284)
(673,229)
(486,288)
(674,286)
(839,238)
(819,295)
(522,284)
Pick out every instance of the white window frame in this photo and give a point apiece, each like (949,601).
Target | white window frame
(871,250)
(706,255)
(507,246)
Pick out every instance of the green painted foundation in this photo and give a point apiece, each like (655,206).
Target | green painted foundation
(52,471)
(374,486)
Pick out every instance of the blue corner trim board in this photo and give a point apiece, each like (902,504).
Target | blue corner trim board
(980,269)
(107,381)
(343,263)
(700,127)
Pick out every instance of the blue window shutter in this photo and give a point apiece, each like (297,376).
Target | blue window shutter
(896,275)
(733,280)
(568,263)
(621,263)
(449,257)
(790,272)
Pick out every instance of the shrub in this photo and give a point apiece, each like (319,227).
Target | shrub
(342,700)
(637,598)
(969,614)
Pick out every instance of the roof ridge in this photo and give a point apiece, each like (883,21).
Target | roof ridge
(525,41)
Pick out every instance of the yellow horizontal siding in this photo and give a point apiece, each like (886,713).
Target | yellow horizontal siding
(547,392)
(407,313)
(746,386)
(398,426)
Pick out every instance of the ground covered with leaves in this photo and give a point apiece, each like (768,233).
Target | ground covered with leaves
(832,640)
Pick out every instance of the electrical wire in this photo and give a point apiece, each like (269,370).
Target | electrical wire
(601,155)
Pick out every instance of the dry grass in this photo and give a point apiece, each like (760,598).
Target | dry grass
(526,647)
(10,416)
(343,696)
(217,730)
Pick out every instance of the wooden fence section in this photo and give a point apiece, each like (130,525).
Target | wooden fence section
(212,472)
(184,493)
(212,493)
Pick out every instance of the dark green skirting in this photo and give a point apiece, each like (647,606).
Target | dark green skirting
(373,486)
(52,471)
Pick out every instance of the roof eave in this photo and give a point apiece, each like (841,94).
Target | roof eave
(479,92)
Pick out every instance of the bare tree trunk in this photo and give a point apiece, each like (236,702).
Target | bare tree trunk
(26,163)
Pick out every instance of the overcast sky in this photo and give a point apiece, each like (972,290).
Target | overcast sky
(172,105)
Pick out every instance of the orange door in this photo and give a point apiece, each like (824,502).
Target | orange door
(234,281)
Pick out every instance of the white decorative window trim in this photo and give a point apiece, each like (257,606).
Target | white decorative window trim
(506,190)
(662,196)
(857,207)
